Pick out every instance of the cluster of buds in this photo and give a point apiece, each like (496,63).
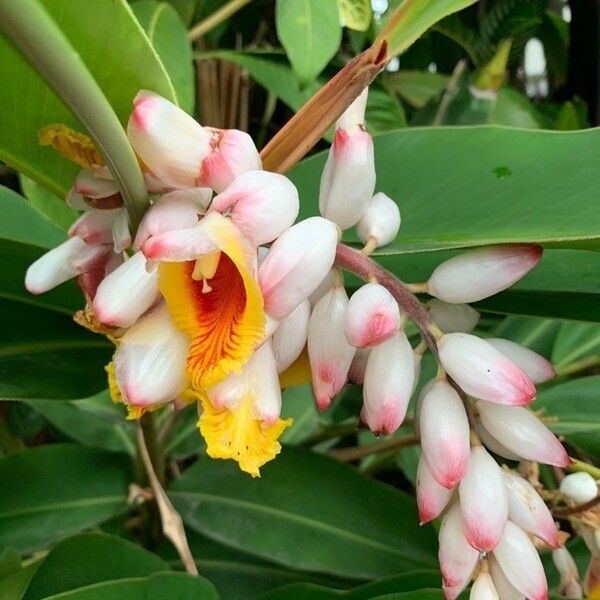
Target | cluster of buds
(216,298)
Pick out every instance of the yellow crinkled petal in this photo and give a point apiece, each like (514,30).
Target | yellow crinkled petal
(223,315)
(239,435)
(77,147)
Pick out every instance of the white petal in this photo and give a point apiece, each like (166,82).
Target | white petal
(432,498)
(521,564)
(484,372)
(261,204)
(388,384)
(537,367)
(570,586)
(120,231)
(291,335)
(89,185)
(451,318)
(444,434)
(95,226)
(296,263)
(127,293)
(372,317)
(492,444)
(380,220)
(522,433)
(505,589)
(483,588)
(329,353)
(580,487)
(477,274)
(527,510)
(323,287)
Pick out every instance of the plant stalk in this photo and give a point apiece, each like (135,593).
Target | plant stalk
(33,31)
(216,18)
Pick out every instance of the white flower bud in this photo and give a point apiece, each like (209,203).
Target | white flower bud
(372,317)
(492,444)
(329,353)
(452,318)
(477,274)
(290,337)
(261,204)
(483,588)
(505,589)
(432,498)
(444,434)
(296,263)
(356,374)
(483,371)
(388,384)
(88,184)
(519,430)
(538,369)
(323,287)
(580,487)
(380,221)
(570,586)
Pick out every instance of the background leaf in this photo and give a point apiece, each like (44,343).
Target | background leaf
(47,203)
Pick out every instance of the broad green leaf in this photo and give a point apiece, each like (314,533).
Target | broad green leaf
(168,34)
(117,52)
(23,222)
(353,527)
(14,585)
(77,420)
(537,334)
(185,439)
(49,204)
(576,342)
(91,558)
(160,586)
(460,187)
(355,14)
(53,491)
(310,32)
(417,87)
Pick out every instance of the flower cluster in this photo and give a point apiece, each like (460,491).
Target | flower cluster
(220,292)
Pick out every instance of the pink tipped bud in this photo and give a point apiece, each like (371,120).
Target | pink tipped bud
(484,372)
(88,184)
(483,588)
(69,259)
(521,563)
(457,558)
(348,179)
(419,403)
(170,142)
(519,430)
(261,204)
(95,226)
(232,153)
(570,586)
(483,501)
(432,498)
(388,384)
(527,510)
(150,361)
(580,487)
(356,374)
(477,274)
(380,221)
(492,444)
(176,210)
(373,316)
(538,369)
(505,589)
(444,434)
(127,293)
(296,263)
(451,318)
(290,337)
(329,353)
(354,116)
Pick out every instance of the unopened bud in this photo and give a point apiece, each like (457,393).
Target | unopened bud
(356,374)
(432,498)
(477,274)
(88,184)
(380,221)
(452,318)
(290,337)
(580,487)
(570,586)
(537,367)
(373,316)
(483,588)
(505,589)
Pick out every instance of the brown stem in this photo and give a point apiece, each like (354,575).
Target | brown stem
(573,510)
(356,452)
(366,268)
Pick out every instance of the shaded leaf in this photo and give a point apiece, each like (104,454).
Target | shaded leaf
(49,204)
(574,342)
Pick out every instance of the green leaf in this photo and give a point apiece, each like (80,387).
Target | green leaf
(310,32)
(47,203)
(23,222)
(417,87)
(53,491)
(168,35)
(298,403)
(576,342)
(384,111)
(354,527)
(160,586)
(500,185)
(537,334)
(81,421)
(118,54)
(13,586)
(355,14)
(90,558)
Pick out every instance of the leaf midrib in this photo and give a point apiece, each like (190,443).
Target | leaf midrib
(295,517)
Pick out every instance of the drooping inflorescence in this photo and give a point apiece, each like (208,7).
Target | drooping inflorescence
(216,298)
